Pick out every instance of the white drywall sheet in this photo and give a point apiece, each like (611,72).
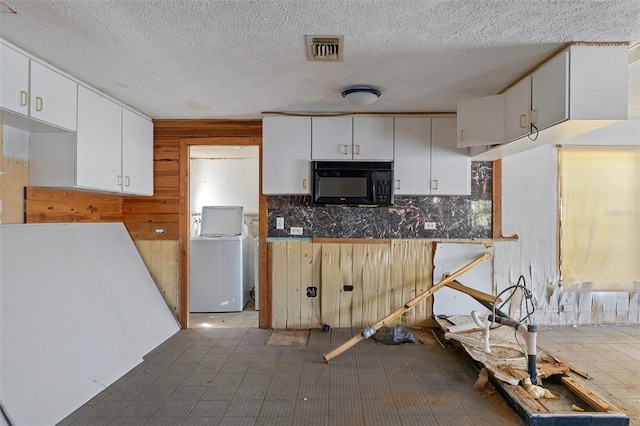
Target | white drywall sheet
(78,311)
(448,259)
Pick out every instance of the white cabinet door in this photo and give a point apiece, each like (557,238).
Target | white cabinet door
(53,97)
(99,142)
(137,153)
(373,138)
(14,80)
(331,138)
(450,168)
(412,156)
(481,121)
(518,105)
(286,155)
(550,92)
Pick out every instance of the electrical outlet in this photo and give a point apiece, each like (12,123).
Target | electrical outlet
(429,225)
(296,230)
(159,230)
(279,222)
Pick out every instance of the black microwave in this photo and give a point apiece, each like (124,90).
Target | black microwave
(353,182)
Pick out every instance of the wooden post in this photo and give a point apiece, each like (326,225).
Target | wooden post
(398,312)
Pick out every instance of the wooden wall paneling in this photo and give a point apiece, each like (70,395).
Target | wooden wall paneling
(55,206)
(382,268)
(293,284)
(424,281)
(346,272)
(358,284)
(398,256)
(279,284)
(316,264)
(409,279)
(370,279)
(331,285)
(170,252)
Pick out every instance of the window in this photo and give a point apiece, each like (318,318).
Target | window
(600,218)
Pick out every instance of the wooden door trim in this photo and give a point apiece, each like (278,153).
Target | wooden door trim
(264,293)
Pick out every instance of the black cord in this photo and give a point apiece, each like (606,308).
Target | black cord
(521,284)
(533,126)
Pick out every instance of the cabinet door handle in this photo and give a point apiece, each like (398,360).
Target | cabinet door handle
(357,150)
(39,103)
(523,124)
(434,184)
(127,181)
(119,180)
(24,98)
(398,184)
(304,183)
(462,135)
(345,149)
(533,116)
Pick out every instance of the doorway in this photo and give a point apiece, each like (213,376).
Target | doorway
(221,177)
(256,222)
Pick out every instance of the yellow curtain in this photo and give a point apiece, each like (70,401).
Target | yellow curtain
(600,217)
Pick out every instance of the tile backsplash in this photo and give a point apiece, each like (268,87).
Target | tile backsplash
(454,216)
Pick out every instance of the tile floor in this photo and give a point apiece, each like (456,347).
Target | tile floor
(247,318)
(224,376)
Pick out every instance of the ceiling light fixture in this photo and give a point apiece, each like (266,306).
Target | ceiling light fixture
(361,95)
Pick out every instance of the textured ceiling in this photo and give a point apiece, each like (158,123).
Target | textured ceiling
(236,59)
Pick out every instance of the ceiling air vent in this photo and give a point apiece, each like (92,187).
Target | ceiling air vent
(324,48)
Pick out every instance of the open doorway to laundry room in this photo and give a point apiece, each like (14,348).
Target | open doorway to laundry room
(223,235)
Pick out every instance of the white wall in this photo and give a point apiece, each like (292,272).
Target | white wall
(530,211)
(226,182)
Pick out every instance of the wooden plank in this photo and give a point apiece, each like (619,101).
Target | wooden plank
(588,396)
(496,203)
(279,283)
(346,273)
(183,235)
(146,231)
(306,280)
(527,401)
(424,278)
(358,291)
(369,284)
(476,294)
(151,217)
(331,285)
(382,267)
(293,284)
(409,279)
(170,274)
(156,264)
(144,248)
(316,264)
(398,257)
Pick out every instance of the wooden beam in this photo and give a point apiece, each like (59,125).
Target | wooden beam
(588,396)
(476,294)
(496,204)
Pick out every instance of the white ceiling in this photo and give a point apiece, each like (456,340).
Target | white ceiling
(237,59)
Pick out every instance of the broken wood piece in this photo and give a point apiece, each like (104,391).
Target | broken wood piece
(588,396)
(476,294)
(483,379)
(369,331)
(570,367)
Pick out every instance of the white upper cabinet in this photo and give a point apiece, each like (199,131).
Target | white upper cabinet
(481,121)
(550,93)
(427,160)
(137,154)
(286,155)
(518,109)
(14,81)
(99,142)
(33,90)
(412,164)
(583,88)
(332,138)
(112,150)
(450,168)
(373,138)
(352,138)
(53,97)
